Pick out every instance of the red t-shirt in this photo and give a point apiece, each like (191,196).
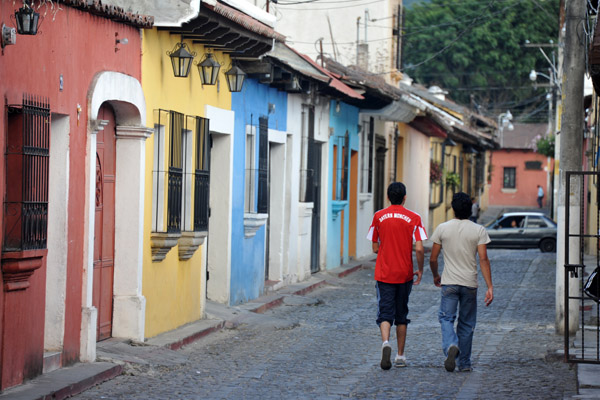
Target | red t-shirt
(395,228)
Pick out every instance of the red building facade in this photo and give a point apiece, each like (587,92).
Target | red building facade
(53,86)
(517,170)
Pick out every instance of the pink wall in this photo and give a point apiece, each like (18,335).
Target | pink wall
(525,194)
(76,45)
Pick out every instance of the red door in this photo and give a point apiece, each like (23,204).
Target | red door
(104,238)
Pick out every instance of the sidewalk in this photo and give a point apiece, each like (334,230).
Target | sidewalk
(117,356)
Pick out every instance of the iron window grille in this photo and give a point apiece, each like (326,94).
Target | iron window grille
(202,175)
(479,170)
(368,139)
(250,178)
(533,165)
(436,187)
(169,127)
(342,167)
(509,181)
(27,174)
(262,206)
(308,156)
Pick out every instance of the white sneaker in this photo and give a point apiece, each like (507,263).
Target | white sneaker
(400,361)
(386,356)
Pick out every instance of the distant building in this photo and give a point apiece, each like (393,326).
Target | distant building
(517,169)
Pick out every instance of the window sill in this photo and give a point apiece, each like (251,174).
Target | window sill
(189,243)
(505,190)
(162,243)
(253,222)
(433,206)
(363,198)
(19,266)
(337,206)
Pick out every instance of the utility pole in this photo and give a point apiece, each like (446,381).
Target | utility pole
(570,159)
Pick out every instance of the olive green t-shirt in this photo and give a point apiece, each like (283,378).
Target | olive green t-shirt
(459,239)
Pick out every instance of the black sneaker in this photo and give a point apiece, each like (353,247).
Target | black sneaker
(465,369)
(450,362)
(386,356)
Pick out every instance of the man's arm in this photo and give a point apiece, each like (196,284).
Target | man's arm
(433,264)
(420,252)
(486,271)
(375,246)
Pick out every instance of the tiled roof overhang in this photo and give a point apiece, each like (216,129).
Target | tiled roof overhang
(114,13)
(428,127)
(335,83)
(226,29)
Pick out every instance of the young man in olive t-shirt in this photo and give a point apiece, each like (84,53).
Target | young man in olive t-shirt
(461,240)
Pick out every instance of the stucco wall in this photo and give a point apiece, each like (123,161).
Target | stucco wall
(338,232)
(248,254)
(173,288)
(416,171)
(525,193)
(35,65)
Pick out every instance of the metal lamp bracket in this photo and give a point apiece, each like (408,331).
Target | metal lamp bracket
(9,35)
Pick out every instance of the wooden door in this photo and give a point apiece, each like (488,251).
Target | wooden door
(104,225)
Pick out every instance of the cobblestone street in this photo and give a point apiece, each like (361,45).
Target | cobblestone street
(329,347)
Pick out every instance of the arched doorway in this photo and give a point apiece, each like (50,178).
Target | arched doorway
(104,223)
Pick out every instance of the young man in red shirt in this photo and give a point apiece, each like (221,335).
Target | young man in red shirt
(393,231)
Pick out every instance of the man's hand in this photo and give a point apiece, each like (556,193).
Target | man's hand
(418,275)
(489,296)
(437,280)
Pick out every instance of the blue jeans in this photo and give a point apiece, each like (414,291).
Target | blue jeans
(465,300)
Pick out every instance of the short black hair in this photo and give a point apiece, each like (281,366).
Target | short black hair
(396,192)
(461,204)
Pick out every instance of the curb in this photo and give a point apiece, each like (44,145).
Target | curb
(70,381)
(196,336)
(65,382)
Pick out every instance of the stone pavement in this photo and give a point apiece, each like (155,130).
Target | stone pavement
(318,340)
(325,345)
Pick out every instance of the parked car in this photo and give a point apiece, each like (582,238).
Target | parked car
(523,230)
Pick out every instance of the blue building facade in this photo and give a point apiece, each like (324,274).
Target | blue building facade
(343,147)
(255,104)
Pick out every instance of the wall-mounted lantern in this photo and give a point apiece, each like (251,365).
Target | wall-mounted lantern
(27,19)
(181,59)
(235,78)
(209,70)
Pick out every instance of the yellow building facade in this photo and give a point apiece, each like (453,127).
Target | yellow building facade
(174,280)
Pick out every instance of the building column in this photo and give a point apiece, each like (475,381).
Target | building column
(89,313)
(129,305)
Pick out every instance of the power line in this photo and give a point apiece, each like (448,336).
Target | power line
(333,8)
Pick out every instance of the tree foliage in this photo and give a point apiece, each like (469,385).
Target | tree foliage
(476,47)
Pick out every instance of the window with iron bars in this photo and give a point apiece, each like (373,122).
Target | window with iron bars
(257,191)
(307,155)
(181,176)
(27,174)
(509,181)
(167,174)
(368,138)
(202,175)
(341,184)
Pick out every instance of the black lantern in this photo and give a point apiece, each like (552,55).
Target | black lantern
(181,59)
(27,19)
(209,70)
(235,79)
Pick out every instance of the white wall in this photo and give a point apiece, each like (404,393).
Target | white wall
(58,204)
(291,22)
(416,173)
(294,270)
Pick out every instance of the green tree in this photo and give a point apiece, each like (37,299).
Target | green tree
(476,47)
